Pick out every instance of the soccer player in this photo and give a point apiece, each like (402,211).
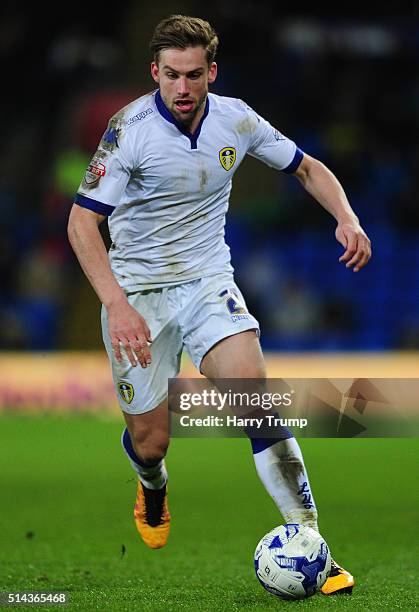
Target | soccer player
(162,177)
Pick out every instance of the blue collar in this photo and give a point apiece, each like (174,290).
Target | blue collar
(164,112)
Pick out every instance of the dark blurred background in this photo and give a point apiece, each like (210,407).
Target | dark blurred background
(344,86)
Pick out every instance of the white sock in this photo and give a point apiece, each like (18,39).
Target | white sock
(152,476)
(281,469)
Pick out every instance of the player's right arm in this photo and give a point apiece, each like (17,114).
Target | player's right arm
(126,326)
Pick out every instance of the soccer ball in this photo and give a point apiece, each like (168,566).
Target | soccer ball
(292,561)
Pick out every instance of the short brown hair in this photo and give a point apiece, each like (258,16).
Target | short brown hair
(180,31)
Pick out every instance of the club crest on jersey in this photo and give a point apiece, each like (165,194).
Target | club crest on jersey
(227,157)
(126,391)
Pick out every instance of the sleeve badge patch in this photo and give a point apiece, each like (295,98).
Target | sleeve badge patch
(109,140)
(94,172)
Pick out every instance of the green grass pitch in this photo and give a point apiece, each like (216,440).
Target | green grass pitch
(67,493)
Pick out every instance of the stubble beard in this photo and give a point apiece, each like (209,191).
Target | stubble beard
(186,119)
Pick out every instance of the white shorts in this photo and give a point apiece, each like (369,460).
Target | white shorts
(195,315)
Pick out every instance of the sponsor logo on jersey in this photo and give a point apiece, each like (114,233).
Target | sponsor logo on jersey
(140,116)
(227,157)
(95,170)
(126,391)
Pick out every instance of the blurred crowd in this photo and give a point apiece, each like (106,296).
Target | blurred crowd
(344,88)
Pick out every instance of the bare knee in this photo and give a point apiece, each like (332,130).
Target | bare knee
(150,449)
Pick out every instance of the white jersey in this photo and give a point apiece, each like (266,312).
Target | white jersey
(166,191)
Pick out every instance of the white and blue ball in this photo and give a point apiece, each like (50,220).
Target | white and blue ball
(292,561)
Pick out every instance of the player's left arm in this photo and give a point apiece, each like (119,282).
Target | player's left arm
(322,184)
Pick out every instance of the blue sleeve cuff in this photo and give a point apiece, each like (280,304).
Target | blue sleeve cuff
(99,207)
(298,158)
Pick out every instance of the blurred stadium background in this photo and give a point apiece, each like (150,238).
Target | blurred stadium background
(345,87)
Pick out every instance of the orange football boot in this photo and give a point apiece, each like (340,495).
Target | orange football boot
(339,581)
(152,516)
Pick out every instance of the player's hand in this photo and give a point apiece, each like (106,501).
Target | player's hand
(128,330)
(357,245)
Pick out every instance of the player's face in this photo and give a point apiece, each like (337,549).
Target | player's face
(183,76)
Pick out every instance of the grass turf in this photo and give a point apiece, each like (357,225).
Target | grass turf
(67,493)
